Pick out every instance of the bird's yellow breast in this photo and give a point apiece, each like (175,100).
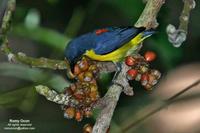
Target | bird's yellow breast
(117,54)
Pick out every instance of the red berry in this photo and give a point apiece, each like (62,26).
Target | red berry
(150,56)
(145,77)
(132,73)
(130,61)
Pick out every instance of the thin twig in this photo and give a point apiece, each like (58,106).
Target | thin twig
(168,102)
(178,36)
(20,57)
(53,96)
(3,5)
(34,62)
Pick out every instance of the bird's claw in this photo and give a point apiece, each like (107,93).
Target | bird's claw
(69,72)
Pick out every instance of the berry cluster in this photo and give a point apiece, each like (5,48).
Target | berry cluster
(140,71)
(84,92)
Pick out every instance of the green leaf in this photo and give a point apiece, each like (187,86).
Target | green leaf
(131,8)
(24,99)
(29,100)
(35,75)
(22,72)
(45,36)
(75,22)
(12,98)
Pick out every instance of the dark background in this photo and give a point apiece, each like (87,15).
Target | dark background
(43,27)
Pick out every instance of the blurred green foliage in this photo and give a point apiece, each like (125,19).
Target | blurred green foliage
(52,23)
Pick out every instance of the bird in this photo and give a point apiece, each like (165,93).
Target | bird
(106,44)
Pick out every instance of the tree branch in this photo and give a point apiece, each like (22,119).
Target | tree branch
(21,57)
(110,100)
(147,20)
(178,36)
(148,17)
(53,96)
(34,62)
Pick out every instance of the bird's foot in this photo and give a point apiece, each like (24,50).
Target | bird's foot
(70,75)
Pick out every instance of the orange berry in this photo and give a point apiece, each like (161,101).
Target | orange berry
(93,88)
(93,95)
(83,65)
(70,112)
(81,77)
(150,56)
(78,116)
(77,69)
(87,128)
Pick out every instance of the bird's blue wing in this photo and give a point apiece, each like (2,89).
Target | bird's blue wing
(114,39)
(109,40)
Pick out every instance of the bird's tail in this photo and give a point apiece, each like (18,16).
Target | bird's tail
(145,34)
(148,33)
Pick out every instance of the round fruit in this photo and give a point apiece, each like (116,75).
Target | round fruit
(145,77)
(70,112)
(83,65)
(78,116)
(77,69)
(130,61)
(132,73)
(150,56)
(87,128)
